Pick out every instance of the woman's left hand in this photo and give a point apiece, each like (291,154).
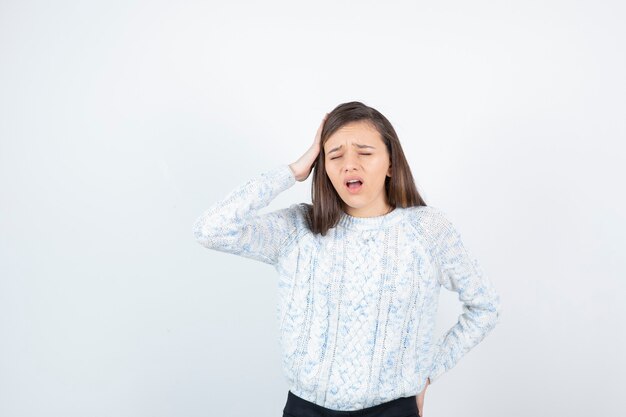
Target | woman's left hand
(420,399)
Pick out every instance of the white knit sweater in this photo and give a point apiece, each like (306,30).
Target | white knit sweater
(356,307)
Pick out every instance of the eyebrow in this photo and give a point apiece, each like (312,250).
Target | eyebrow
(354,144)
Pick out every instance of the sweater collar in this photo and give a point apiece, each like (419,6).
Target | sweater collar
(370,223)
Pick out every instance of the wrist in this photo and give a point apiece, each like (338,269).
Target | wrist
(296,171)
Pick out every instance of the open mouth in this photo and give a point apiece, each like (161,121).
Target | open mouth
(354,186)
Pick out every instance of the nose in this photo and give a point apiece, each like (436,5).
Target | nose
(349,162)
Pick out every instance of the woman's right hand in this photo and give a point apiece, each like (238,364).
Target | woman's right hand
(303,166)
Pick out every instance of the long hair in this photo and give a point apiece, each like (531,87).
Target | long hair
(400,188)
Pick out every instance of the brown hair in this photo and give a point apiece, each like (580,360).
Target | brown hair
(400,188)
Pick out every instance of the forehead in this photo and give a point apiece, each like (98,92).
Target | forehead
(361,131)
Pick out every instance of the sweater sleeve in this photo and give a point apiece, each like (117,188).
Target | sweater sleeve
(233,224)
(460,271)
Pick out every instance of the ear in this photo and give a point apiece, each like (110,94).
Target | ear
(389,171)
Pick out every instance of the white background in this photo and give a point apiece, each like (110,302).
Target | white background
(121,122)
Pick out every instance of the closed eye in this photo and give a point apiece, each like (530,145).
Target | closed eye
(340,156)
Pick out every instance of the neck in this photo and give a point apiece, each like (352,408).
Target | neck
(368,212)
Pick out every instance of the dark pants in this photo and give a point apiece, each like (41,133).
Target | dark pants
(400,407)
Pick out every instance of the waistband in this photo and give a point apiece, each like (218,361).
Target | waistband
(400,407)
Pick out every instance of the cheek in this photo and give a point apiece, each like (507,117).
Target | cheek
(380,165)
(334,181)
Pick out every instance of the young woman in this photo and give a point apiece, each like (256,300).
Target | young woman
(360,271)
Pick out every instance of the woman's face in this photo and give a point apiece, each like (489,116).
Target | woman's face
(357,150)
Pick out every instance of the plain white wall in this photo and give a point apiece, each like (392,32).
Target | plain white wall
(121,122)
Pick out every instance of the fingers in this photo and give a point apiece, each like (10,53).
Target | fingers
(318,135)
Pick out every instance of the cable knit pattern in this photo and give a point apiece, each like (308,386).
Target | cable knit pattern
(357,307)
